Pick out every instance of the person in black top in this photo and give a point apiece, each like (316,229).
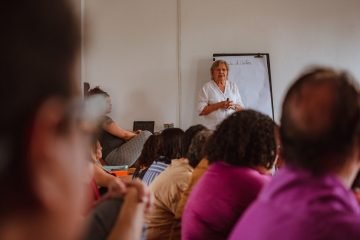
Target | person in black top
(120,147)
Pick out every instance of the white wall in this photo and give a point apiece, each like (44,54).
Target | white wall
(295,33)
(132,53)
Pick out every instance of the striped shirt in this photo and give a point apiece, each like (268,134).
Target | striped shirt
(154,170)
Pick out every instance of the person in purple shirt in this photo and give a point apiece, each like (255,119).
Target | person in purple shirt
(310,198)
(242,152)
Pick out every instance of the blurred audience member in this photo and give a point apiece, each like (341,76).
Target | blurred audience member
(196,154)
(170,148)
(167,189)
(148,154)
(45,138)
(120,146)
(242,153)
(310,198)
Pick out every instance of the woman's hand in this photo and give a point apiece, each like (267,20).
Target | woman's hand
(116,189)
(143,193)
(227,104)
(119,189)
(237,107)
(115,130)
(138,131)
(137,202)
(216,106)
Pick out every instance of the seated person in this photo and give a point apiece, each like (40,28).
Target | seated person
(310,198)
(44,147)
(242,153)
(170,147)
(118,212)
(149,153)
(196,153)
(102,178)
(167,189)
(105,211)
(189,135)
(98,156)
(120,147)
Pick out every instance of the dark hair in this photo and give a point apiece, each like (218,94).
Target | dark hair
(356,183)
(188,136)
(197,147)
(38,44)
(320,119)
(245,138)
(97,91)
(170,144)
(149,152)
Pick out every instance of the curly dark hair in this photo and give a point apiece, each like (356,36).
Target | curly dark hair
(189,135)
(245,138)
(320,118)
(170,146)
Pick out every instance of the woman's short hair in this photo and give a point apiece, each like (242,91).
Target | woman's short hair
(245,138)
(189,135)
(171,144)
(196,150)
(216,64)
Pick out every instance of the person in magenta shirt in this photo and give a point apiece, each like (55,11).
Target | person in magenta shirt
(242,152)
(311,198)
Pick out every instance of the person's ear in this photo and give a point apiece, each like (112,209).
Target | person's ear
(42,146)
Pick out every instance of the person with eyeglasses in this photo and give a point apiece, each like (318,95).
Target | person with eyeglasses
(44,135)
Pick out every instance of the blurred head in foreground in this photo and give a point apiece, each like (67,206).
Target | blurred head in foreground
(43,149)
(320,122)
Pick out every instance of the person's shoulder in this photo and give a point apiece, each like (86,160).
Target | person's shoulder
(107,120)
(176,168)
(343,226)
(208,84)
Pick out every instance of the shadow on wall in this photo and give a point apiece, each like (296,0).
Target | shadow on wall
(202,76)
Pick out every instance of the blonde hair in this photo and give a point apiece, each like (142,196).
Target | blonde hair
(216,64)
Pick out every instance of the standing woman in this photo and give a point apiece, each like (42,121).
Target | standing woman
(120,147)
(218,98)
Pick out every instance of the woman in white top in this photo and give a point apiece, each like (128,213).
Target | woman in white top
(218,98)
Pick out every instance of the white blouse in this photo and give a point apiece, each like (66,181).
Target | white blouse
(210,93)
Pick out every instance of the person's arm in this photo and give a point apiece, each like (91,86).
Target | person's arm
(131,217)
(238,105)
(112,128)
(214,107)
(205,108)
(102,178)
